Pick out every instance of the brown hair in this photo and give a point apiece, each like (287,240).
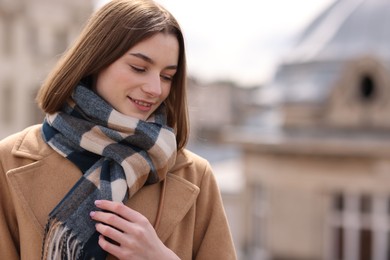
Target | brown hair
(109,33)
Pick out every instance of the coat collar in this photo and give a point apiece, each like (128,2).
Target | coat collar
(31,146)
(44,181)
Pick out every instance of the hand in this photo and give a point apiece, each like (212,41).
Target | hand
(131,234)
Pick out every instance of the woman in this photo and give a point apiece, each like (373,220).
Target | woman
(106,175)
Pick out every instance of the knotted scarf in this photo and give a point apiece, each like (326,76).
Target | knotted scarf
(117,155)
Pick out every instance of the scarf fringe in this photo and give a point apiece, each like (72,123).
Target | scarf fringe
(60,243)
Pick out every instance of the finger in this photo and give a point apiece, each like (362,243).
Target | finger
(109,247)
(110,219)
(116,236)
(119,209)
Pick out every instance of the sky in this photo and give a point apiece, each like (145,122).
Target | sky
(241,41)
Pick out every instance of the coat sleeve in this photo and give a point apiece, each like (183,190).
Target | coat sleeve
(9,234)
(211,227)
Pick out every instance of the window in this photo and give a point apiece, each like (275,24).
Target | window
(7,95)
(36,114)
(258,217)
(359,227)
(367,88)
(7,37)
(32,35)
(60,41)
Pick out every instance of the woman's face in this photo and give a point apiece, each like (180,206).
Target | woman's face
(139,81)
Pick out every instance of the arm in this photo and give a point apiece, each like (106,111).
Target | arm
(9,248)
(212,234)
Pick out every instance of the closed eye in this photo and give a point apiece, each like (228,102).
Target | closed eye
(166,77)
(138,69)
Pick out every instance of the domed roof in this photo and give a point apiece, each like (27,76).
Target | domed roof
(347,30)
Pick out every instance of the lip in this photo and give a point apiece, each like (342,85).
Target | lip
(141,104)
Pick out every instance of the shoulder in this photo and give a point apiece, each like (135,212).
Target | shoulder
(8,143)
(189,161)
(192,167)
(27,144)
(197,160)
(17,137)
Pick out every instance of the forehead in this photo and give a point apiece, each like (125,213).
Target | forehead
(161,46)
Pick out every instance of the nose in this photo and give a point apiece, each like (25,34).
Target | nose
(153,85)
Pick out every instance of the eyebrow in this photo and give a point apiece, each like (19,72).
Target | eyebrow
(149,60)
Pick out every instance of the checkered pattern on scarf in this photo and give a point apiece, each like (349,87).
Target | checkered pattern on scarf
(117,155)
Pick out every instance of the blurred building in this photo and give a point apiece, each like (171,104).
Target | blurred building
(318,183)
(214,107)
(33,34)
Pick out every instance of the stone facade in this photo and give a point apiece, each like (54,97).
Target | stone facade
(33,34)
(318,183)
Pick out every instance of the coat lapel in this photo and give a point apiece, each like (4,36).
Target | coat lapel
(179,198)
(41,183)
(40,186)
(180,195)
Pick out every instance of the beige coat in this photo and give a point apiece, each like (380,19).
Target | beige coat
(34,178)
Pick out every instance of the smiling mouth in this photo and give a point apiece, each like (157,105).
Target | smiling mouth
(141,103)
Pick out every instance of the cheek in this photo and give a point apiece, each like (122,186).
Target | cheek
(109,80)
(102,81)
(166,91)
(103,91)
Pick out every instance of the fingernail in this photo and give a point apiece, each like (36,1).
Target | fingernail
(92,213)
(97,202)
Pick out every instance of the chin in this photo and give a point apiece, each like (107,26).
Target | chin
(140,117)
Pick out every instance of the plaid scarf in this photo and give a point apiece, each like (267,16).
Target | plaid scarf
(117,155)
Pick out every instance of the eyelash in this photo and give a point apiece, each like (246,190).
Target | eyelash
(166,78)
(138,69)
(141,70)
